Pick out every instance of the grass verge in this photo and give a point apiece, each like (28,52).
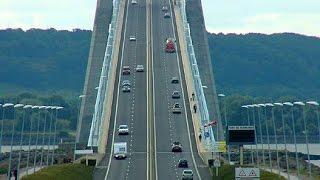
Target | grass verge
(227,172)
(63,172)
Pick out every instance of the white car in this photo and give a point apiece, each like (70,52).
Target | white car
(187,174)
(132,38)
(164,8)
(123,129)
(139,68)
(134,2)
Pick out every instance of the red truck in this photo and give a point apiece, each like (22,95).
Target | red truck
(170,45)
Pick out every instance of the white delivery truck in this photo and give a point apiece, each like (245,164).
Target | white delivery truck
(120,150)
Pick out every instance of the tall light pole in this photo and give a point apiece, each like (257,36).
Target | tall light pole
(37,138)
(4,106)
(306,134)
(255,132)
(268,138)
(275,134)
(55,133)
(44,133)
(50,132)
(12,136)
(316,105)
(294,137)
(26,107)
(284,138)
(225,120)
(248,114)
(75,140)
(30,132)
(261,138)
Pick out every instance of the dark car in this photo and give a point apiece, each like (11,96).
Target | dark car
(183,163)
(175,80)
(166,15)
(176,147)
(126,70)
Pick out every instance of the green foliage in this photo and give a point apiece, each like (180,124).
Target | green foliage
(63,172)
(43,60)
(266,65)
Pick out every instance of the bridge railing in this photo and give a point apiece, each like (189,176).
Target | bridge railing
(206,131)
(95,131)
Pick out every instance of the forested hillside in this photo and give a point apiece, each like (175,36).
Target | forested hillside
(252,64)
(43,60)
(266,65)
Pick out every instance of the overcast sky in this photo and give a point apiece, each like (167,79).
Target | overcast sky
(227,16)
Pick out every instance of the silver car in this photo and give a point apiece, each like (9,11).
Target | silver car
(176,109)
(140,68)
(126,88)
(126,83)
(187,174)
(132,38)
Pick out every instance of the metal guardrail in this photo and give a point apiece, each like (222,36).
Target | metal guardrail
(206,132)
(94,136)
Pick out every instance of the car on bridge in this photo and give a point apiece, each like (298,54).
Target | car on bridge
(126,88)
(126,70)
(132,38)
(126,83)
(174,80)
(120,150)
(139,68)
(176,147)
(175,95)
(183,163)
(134,2)
(187,174)
(164,8)
(170,45)
(176,109)
(167,15)
(123,130)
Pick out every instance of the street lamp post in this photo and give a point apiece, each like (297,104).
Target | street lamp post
(316,104)
(44,133)
(55,132)
(30,131)
(275,135)
(75,140)
(3,115)
(37,138)
(261,138)
(255,132)
(284,138)
(12,136)
(294,137)
(248,114)
(26,107)
(306,134)
(268,138)
(50,132)
(225,121)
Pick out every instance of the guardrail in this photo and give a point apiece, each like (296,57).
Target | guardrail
(206,131)
(95,131)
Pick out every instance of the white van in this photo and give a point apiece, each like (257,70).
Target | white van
(120,150)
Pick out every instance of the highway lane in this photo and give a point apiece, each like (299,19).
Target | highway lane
(130,108)
(170,127)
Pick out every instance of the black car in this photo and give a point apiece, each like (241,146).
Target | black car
(174,80)
(176,147)
(183,163)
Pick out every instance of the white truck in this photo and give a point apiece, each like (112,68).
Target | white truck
(120,150)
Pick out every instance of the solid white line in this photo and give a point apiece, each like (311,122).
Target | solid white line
(147,78)
(184,102)
(119,79)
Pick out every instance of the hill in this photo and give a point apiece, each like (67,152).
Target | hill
(43,60)
(253,64)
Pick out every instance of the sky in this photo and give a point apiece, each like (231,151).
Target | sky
(226,16)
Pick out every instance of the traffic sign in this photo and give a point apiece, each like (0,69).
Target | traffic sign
(216,163)
(247,173)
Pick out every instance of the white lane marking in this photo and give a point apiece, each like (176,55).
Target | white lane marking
(184,102)
(119,81)
(147,65)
